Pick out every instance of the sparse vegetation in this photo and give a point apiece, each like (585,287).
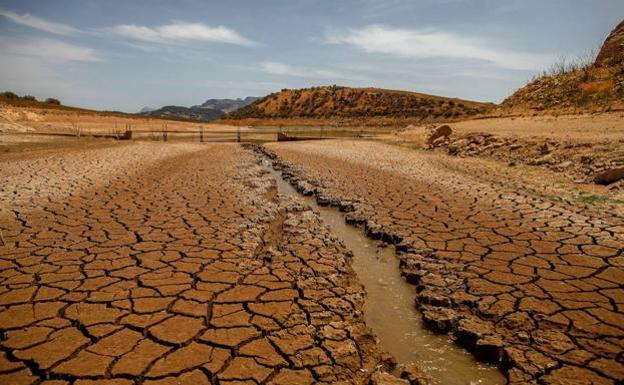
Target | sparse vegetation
(570,85)
(53,101)
(564,64)
(8,95)
(593,198)
(26,100)
(343,102)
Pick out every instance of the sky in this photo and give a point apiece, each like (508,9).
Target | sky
(125,55)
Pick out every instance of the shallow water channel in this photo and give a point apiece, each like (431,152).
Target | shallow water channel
(390,310)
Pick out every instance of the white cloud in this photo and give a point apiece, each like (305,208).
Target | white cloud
(38,23)
(50,49)
(277,68)
(422,44)
(182,32)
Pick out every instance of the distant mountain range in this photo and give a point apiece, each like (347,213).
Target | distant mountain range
(228,105)
(211,109)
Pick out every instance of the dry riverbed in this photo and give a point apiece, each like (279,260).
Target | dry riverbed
(528,282)
(170,264)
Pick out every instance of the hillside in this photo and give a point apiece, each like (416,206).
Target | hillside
(211,109)
(577,87)
(228,105)
(194,113)
(344,102)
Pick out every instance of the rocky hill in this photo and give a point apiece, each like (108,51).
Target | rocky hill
(195,113)
(228,105)
(211,109)
(344,102)
(612,52)
(577,87)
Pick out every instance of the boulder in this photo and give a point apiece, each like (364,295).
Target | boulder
(609,176)
(440,132)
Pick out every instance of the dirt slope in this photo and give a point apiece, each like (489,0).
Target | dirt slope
(344,102)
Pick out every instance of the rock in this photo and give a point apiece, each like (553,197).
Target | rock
(564,165)
(441,132)
(412,275)
(389,361)
(489,349)
(609,176)
(413,374)
(439,142)
(383,378)
(439,319)
(460,143)
(619,185)
(433,296)
(470,330)
(455,147)
(546,159)
(612,51)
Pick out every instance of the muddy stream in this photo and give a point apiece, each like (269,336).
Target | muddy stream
(390,310)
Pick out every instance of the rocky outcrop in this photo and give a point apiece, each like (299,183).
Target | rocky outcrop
(612,51)
(599,163)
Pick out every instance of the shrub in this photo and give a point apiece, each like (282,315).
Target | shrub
(29,97)
(53,101)
(9,95)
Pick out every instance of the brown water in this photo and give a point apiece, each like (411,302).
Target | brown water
(390,309)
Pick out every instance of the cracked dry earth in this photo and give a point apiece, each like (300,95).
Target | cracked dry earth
(170,264)
(532,285)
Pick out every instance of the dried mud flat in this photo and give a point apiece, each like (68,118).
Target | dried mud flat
(170,264)
(531,284)
(161,263)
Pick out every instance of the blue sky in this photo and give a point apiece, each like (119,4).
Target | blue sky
(124,55)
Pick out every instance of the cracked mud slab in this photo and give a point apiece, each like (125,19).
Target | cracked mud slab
(170,264)
(533,285)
